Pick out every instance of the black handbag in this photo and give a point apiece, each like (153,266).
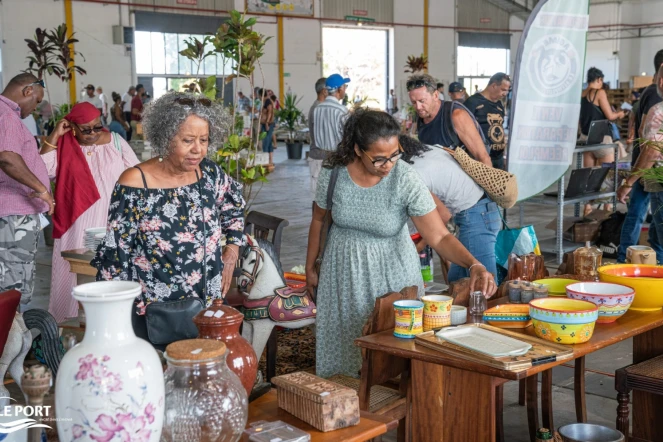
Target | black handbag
(166,322)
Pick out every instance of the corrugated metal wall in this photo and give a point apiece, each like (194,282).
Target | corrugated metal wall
(380,10)
(471,13)
(206,5)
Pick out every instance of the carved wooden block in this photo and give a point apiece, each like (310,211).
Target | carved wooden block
(320,403)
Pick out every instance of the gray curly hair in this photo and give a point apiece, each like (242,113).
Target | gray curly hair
(163,117)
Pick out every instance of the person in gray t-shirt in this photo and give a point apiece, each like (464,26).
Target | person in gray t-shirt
(457,196)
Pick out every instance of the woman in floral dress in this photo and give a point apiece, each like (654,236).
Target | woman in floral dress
(175,222)
(369,252)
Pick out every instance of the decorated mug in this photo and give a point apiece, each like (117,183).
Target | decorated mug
(437,311)
(409,318)
(640,255)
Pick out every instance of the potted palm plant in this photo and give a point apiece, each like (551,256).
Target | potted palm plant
(289,116)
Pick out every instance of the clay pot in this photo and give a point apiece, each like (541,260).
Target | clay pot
(222,322)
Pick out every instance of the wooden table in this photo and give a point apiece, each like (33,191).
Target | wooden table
(370,426)
(454,399)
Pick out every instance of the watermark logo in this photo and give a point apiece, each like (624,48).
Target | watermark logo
(553,65)
(24,417)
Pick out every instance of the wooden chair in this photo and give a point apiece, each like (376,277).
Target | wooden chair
(380,371)
(645,376)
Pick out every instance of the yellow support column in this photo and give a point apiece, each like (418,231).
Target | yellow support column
(279,26)
(426,31)
(69,21)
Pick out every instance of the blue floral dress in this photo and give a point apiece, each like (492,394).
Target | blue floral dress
(159,237)
(369,253)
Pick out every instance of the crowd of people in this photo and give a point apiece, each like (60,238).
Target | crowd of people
(175,223)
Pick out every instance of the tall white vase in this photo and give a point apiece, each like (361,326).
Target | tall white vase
(110,386)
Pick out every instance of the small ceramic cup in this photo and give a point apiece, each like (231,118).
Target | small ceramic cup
(409,318)
(640,255)
(437,311)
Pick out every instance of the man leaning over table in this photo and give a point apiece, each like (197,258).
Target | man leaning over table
(24,186)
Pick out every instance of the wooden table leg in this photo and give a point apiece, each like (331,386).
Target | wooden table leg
(533,406)
(499,411)
(546,400)
(522,391)
(647,423)
(579,389)
(452,405)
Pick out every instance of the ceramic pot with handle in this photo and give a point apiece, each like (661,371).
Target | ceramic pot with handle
(222,322)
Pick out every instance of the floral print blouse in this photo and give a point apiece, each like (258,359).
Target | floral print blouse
(159,237)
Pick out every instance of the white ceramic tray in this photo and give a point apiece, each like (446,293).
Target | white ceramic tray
(484,341)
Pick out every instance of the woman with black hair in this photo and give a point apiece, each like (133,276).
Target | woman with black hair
(369,252)
(594,106)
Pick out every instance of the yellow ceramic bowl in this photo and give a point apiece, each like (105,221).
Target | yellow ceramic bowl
(564,321)
(556,286)
(508,316)
(646,280)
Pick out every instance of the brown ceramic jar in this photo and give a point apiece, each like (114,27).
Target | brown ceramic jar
(222,322)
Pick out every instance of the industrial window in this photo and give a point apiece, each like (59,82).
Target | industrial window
(157,53)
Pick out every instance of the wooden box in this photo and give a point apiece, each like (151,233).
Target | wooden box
(322,404)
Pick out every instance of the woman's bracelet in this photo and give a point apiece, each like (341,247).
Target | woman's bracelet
(50,145)
(234,252)
(477,264)
(42,193)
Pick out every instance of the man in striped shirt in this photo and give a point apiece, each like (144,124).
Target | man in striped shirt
(24,186)
(329,117)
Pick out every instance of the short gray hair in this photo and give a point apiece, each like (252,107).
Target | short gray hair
(421,80)
(163,117)
(320,85)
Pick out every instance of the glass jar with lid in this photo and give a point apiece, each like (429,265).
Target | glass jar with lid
(586,262)
(205,401)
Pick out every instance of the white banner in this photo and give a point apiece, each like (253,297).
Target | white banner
(546,97)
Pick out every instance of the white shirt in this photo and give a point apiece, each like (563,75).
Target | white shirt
(127,102)
(448,181)
(329,119)
(104,103)
(390,102)
(94,101)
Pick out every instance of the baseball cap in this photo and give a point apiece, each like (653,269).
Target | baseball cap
(456,87)
(335,81)
(89,86)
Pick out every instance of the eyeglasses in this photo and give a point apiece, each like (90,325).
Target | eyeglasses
(39,82)
(416,84)
(191,102)
(95,129)
(381,162)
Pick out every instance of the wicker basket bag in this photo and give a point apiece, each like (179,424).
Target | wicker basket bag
(501,186)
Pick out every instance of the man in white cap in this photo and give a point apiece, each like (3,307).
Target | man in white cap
(329,117)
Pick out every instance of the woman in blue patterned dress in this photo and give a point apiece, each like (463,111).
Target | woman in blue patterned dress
(175,222)
(369,252)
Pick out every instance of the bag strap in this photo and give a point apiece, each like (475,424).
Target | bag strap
(332,184)
(116,140)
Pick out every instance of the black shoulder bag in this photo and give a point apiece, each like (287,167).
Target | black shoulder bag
(170,321)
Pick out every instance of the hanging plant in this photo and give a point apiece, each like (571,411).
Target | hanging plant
(416,64)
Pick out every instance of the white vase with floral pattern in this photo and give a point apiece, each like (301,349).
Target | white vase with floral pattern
(110,386)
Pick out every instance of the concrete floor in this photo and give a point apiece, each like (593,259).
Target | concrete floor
(287,195)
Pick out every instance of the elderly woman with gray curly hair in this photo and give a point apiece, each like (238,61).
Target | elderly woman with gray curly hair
(175,222)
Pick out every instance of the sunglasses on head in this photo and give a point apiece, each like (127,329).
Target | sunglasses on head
(39,82)
(95,129)
(191,101)
(416,84)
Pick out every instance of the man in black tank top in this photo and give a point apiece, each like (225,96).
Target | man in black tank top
(488,109)
(431,125)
